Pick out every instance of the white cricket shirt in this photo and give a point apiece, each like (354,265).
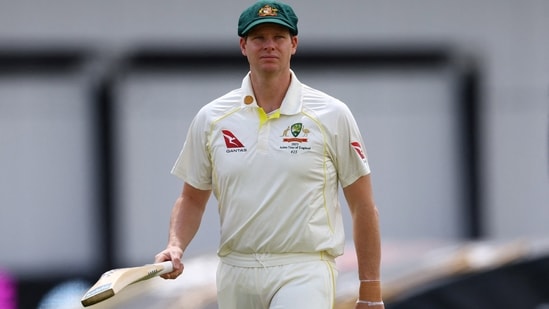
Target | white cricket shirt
(275,176)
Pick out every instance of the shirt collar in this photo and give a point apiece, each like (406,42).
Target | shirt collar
(291,104)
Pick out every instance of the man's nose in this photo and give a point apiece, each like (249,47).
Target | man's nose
(269,44)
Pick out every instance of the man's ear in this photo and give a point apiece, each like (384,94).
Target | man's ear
(243,45)
(295,42)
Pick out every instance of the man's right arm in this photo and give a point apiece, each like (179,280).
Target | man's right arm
(184,223)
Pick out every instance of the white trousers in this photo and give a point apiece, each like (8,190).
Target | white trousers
(276,281)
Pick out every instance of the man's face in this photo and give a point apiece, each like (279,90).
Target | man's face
(269,48)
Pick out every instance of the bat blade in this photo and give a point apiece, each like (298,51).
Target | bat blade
(113,281)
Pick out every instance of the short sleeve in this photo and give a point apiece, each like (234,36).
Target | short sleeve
(193,164)
(351,157)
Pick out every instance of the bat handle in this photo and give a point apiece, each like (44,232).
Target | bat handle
(167,267)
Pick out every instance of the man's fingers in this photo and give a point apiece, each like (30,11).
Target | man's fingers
(174,274)
(171,254)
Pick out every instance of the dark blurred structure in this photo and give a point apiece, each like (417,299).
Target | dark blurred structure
(521,285)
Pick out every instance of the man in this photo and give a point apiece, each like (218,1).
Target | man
(274,152)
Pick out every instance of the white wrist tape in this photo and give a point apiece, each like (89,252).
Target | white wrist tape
(369,303)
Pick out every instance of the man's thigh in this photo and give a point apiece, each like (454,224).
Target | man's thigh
(294,286)
(307,285)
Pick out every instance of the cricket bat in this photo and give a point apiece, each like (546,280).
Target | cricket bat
(114,280)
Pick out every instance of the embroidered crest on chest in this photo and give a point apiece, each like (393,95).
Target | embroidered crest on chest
(295,138)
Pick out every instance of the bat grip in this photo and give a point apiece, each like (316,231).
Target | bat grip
(167,267)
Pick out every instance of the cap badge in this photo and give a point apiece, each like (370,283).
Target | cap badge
(267,10)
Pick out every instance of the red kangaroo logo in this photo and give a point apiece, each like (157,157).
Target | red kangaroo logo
(230,140)
(358,149)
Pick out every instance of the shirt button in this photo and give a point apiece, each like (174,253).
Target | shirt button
(248,99)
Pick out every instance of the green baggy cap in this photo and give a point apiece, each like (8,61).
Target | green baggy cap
(267,12)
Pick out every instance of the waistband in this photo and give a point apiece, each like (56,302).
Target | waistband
(273,259)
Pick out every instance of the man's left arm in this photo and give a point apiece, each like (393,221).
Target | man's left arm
(367,239)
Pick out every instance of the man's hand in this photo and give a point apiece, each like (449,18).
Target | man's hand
(173,254)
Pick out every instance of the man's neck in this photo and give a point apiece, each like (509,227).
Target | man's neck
(270,90)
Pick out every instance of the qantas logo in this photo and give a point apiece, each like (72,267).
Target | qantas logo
(358,149)
(232,143)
